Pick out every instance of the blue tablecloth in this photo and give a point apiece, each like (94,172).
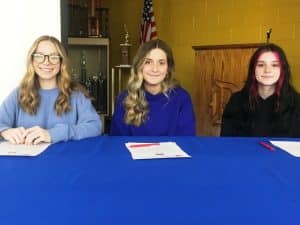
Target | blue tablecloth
(228,181)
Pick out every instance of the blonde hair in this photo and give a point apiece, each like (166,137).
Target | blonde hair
(29,98)
(135,103)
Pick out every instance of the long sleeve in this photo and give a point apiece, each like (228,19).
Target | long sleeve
(186,117)
(264,121)
(169,115)
(8,111)
(290,119)
(81,122)
(232,118)
(88,123)
(118,126)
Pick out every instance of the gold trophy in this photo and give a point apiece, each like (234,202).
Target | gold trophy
(116,78)
(125,49)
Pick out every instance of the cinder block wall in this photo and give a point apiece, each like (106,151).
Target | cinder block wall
(185,23)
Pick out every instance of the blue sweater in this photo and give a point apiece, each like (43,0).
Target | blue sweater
(168,116)
(81,122)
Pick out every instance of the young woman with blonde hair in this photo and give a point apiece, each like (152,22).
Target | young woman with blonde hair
(47,106)
(154,104)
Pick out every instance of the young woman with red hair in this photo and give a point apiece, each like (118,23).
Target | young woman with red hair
(267,105)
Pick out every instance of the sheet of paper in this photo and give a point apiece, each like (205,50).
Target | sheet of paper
(292,147)
(9,149)
(157,150)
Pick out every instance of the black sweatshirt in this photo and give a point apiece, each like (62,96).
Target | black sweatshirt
(239,120)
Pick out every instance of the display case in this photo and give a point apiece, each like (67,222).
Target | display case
(90,66)
(87,18)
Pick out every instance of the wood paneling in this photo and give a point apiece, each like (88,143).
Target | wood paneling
(220,70)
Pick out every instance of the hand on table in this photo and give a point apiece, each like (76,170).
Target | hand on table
(36,135)
(20,135)
(14,135)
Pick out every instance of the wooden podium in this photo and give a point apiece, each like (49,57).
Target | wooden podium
(220,70)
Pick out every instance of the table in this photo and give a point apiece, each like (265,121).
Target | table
(228,181)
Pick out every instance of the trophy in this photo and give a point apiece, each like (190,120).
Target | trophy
(269,35)
(93,19)
(125,49)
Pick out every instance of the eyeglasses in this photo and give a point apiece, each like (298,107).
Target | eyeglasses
(40,58)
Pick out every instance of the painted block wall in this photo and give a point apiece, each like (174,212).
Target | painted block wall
(186,23)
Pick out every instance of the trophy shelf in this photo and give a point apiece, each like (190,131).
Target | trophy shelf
(88,41)
(89,58)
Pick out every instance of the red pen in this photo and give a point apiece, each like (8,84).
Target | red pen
(267,146)
(143,145)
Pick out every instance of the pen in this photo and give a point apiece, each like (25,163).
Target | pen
(267,146)
(143,145)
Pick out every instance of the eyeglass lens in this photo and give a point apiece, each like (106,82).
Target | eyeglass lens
(40,58)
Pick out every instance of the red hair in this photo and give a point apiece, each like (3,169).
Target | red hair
(253,91)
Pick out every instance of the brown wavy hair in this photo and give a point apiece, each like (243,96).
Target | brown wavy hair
(29,98)
(135,103)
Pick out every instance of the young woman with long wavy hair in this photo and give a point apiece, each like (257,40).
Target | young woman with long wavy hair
(154,103)
(47,106)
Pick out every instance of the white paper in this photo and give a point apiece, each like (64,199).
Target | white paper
(149,150)
(9,149)
(292,147)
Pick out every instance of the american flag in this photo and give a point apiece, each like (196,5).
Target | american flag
(148,26)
